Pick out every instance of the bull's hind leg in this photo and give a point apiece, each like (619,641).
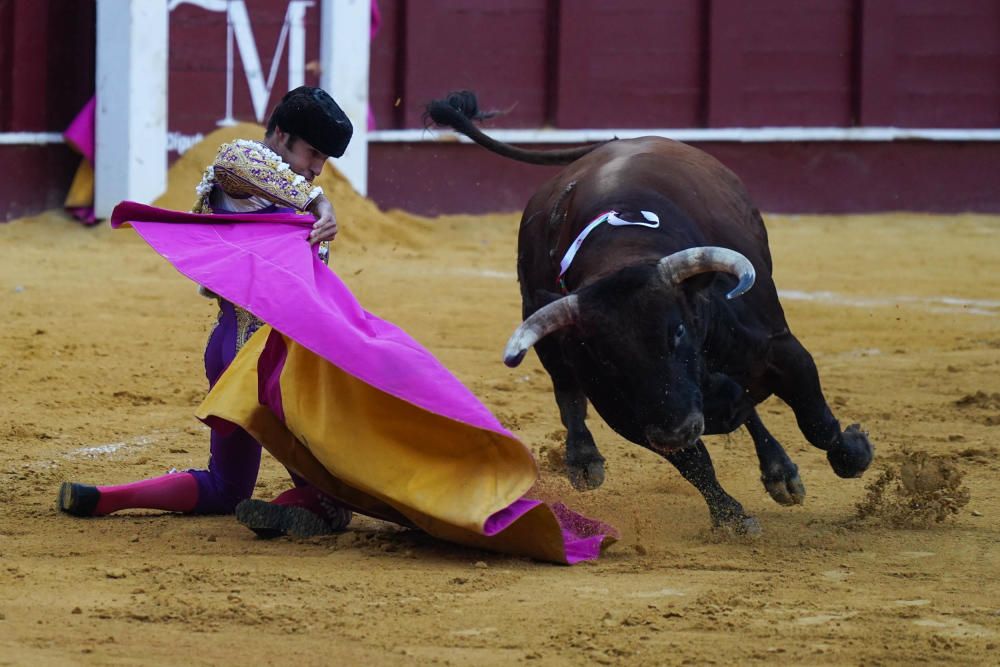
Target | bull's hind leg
(796,382)
(778,473)
(695,465)
(584,464)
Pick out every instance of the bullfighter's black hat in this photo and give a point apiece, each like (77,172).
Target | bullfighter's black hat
(312,114)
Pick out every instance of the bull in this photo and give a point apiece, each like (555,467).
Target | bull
(636,264)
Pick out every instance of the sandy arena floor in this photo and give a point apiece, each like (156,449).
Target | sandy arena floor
(100,346)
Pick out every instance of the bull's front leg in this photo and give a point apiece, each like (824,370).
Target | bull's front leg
(797,384)
(727,406)
(695,465)
(584,463)
(778,473)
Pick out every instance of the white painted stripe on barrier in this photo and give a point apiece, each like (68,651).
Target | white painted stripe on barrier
(734,134)
(721,134)
(30,138)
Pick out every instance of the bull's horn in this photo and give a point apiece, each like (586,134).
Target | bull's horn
(678,267)
(557,315)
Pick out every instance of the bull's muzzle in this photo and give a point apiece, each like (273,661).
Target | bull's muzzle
(667,441)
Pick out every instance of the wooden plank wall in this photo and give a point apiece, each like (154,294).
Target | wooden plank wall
(47,58)
(632,63)
(930,63)
(774,62)
(569,63)
(578,64)
(694,63)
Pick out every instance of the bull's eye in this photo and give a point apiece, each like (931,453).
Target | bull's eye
(679,334)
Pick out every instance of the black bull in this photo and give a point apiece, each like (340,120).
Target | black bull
(646,326)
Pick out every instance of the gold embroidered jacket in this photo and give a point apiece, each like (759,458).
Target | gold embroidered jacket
(251,177)
(250,170)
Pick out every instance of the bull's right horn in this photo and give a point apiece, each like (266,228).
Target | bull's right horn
(557,315)
(678,267)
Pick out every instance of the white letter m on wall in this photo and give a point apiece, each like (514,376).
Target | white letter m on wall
(293,32)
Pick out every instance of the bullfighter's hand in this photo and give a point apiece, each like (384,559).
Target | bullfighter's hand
(325,227)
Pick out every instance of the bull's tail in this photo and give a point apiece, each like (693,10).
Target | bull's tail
(460,108)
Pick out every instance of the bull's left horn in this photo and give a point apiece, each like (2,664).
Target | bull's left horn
(557,315)
(678,267)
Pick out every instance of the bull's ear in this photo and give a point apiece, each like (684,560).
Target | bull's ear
(542,298)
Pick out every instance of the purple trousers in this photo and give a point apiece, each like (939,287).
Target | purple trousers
(234,459)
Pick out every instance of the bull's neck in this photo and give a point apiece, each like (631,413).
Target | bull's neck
(596,249)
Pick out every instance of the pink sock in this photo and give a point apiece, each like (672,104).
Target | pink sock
(175,492)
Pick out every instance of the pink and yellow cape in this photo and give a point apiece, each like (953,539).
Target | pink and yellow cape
(351,402)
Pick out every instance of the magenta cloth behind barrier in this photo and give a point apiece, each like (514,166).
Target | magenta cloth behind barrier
(80,133)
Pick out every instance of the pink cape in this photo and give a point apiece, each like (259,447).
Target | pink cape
(306,301)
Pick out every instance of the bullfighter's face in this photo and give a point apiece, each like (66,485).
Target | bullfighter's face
(301,156)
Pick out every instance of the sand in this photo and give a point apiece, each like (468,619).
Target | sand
(100,346)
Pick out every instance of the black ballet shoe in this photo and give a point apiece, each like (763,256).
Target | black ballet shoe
(78,499)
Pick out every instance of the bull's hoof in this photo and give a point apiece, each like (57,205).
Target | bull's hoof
(587,476)
(852,454)
(783,484)
(742,525)
(729,517)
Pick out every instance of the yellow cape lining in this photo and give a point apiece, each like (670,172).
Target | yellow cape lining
(385,456)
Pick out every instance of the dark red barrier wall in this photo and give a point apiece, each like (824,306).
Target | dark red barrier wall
(930,63)
(773,62)
(630,64)
(581,64)
(703,63)
(829,177)
(695,63)
(46,76)
(46,63)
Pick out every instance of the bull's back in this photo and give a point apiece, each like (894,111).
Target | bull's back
(708,193)
(702,187)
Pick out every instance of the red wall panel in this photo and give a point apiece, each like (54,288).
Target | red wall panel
(39,182)
(843,177)
(46,63)
(581,63)
(631,63)
(455,178)
(498,48)
(28,105)
(70,59)
(385,69)
(931,63)
(822,177)
(781,62)
(6,61)
(197,70)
